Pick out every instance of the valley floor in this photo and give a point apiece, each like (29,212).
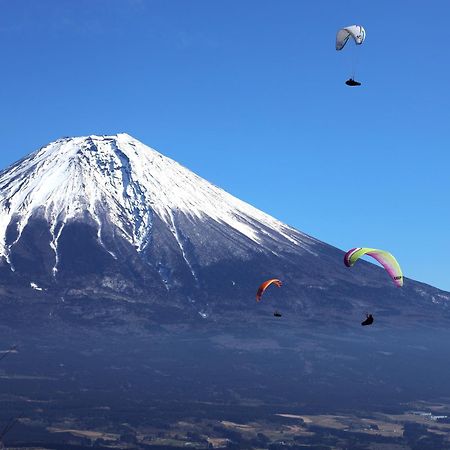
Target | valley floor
(268,388)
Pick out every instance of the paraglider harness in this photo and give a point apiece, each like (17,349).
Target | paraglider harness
(352,82)
(368,321)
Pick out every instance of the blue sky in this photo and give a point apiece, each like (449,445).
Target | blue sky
(251,96)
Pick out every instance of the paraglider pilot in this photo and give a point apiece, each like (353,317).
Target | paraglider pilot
(352,82)
(368,321)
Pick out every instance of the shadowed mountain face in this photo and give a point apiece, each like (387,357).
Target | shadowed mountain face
(107,217)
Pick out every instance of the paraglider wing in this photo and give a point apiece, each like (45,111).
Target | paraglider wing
(356,32)
(386,259)
(265,285)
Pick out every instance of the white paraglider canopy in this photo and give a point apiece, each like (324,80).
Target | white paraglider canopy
(357,32)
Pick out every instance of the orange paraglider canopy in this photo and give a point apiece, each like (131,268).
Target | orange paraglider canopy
(265,285)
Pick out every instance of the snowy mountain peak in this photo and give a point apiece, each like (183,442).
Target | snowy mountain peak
(120,181)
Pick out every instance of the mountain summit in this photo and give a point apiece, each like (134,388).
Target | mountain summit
(107,216)
(116,181)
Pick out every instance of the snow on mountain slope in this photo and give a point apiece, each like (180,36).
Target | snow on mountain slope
(108,218)
(120,180)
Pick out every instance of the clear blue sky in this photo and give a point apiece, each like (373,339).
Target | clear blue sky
(251,96)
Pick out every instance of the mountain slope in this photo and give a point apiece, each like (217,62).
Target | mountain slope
(127,285)
(108,217)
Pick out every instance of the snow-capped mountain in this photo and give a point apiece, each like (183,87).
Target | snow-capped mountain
(119,181)
(107,215)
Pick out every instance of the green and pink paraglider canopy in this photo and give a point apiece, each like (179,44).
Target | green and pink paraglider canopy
(386,259)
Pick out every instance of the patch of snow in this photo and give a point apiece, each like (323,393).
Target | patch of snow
(36,287)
